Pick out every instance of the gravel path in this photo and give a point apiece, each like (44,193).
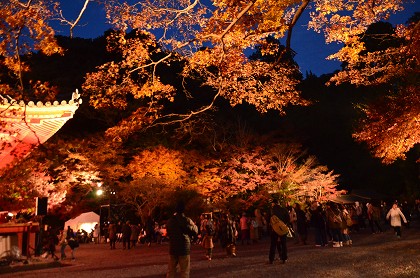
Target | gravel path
(378,255)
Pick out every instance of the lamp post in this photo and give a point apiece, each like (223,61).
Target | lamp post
(100,192)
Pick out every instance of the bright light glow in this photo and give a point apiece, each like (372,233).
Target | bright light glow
(88,227)
(10,214)
(99,192)
(99,184)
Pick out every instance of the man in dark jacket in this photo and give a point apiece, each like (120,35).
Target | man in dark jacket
(179,229)
(275,243)
(126,234)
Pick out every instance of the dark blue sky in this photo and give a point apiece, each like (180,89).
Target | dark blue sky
(310,46)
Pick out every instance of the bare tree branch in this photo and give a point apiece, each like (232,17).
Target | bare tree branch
(297,15)
(74,23)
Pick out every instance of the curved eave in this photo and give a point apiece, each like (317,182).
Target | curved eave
(27,126)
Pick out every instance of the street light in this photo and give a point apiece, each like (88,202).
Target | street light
(100,192)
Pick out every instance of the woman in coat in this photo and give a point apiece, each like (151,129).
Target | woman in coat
(395,214)
(227,235)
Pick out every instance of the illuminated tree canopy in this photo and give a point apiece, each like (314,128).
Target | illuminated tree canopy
(210,39)
(387,60)
(173,64)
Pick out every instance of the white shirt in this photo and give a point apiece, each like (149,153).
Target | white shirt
(395,214)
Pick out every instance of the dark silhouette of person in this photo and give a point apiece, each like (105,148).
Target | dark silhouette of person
(180,230)
(278,241)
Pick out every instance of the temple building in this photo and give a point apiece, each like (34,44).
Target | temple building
(24,126)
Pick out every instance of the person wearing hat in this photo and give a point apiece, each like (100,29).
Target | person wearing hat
(180,229)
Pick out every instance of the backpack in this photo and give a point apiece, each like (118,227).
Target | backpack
(210,228)
(279,226)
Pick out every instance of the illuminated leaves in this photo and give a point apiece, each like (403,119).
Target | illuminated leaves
(392,126)
(300,176)
(160,164)
(156,173)
(24,29)
(54,177)
(213,42)
(280,169)
(132,75)
(341,20)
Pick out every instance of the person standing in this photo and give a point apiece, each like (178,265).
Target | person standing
(126,235)
(335,223)
(112,234)
(260,221)
(319,223)
(73,244)
(302,225)
(278,241)
(374,213)
(63,243)
(180,229)
(360,217)
(150,230)
(244,223)
(253,230)
(395,214)
(202,230)
(293,220)
(135,232)
(347,223)
(228,234)
(208,240)
(52,240)
(96,234)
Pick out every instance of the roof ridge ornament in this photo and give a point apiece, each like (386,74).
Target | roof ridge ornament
(31,124)
(75,100)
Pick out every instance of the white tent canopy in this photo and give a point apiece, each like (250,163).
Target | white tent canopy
(85,221)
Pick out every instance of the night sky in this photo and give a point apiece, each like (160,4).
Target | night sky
(310,46)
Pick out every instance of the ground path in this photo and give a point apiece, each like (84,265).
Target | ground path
(378,255)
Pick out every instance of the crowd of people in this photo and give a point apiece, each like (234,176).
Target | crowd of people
(331,224)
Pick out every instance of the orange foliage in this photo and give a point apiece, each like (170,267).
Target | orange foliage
(275,170)
(391,125)
(161,164)
(212,42)
(24,29)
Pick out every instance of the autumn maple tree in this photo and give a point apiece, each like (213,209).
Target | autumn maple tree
(386,60)
(24,29)
(212,40)
(257,173)
(151,169)
(208,44)
(65,177)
